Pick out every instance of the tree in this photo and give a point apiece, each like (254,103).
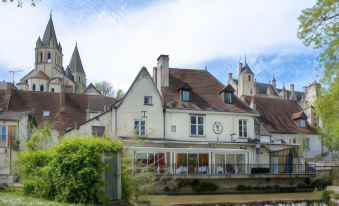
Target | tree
(319,27)
(20,3)
(120,93)
(106,88)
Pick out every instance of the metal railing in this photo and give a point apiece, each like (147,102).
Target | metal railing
(229,169)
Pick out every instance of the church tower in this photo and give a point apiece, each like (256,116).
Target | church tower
(48,52)
(76,72)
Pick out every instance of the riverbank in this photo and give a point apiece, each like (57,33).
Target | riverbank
(237,198)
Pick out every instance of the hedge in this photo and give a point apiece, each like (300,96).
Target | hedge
(71,171)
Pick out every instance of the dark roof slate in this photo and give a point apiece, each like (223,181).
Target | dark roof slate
(75,64)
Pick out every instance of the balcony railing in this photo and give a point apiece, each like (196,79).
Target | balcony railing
(229,169)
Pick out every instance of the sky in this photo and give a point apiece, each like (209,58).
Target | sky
(117,38)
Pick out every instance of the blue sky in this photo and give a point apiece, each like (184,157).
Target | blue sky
(116,38)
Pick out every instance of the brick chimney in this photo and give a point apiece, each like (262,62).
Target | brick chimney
(9,90)
(163,71)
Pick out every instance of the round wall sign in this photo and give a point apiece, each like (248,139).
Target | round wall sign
(217,128)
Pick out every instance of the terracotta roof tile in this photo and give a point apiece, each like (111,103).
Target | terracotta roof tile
(205,92)
(75,105)
(276,115)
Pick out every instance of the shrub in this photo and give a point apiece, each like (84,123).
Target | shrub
(335,182)
(326,196)
(244,187)
(71,171)
(203,187)
(320,184)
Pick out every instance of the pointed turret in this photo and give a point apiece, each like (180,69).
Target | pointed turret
(274,82)
(75,64)
(49,38)
(38,43)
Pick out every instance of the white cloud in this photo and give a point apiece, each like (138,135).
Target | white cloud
(114,46)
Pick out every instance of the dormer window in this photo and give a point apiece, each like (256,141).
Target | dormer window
(185,95)
(185,92)
(300,119)
(228,94)
(228,97)
(302,123)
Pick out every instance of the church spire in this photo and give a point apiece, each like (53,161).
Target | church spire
(75,63)
(49,34)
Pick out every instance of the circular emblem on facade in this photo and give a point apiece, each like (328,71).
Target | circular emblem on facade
(217,128)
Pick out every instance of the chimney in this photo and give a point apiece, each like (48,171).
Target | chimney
(9,89)
(163,71)
(240,67)
(229,77)
(252,104)
(293,95)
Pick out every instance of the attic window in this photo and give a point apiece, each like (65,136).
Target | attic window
(185,95)
(228,97)
(46,113)
(302,123)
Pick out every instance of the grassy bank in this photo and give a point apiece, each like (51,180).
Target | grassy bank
(16,198)
(164,199)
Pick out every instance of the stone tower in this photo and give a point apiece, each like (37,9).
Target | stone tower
(48,52)
(246,82)
(76,70)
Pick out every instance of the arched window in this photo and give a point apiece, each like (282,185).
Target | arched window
(49,58)
(41,88)
(52,90)
(79,79)
(249,78)
(40,57)
(33,88)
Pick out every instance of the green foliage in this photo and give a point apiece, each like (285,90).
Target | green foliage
(41,137)
(319,27)
(320,184)
(244,187)
(203,186)
(335,182)
(326,196)
(71,171)
(327,110)
(120,93)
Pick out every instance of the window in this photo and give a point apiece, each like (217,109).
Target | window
(148,100)
(249,78)
(52,90)
(173,128)
(41,88)
(49,60)
(197,125)
(242,128)
(79,79)
(3,136)
(302,123)
(46,113)
(228,97)
(139,126)
(40,57)
(185,95)
(33,87)
(98,131)
(308,143)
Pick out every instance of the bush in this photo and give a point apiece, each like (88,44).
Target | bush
(244,187)
(203,187)
(335,182)
(71,171)
(320,184)
(326,196)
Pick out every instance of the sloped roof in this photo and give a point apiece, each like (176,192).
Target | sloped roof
(56,81)
(205,92)
(75,64)
(14,116)
(228,88)
(75,105)
(49,33)
(40,75)
(276,115)
(246,69)
(299,115)
(91,86)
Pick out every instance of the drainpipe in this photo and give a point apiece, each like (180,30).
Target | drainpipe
(116,122)
(164,113)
